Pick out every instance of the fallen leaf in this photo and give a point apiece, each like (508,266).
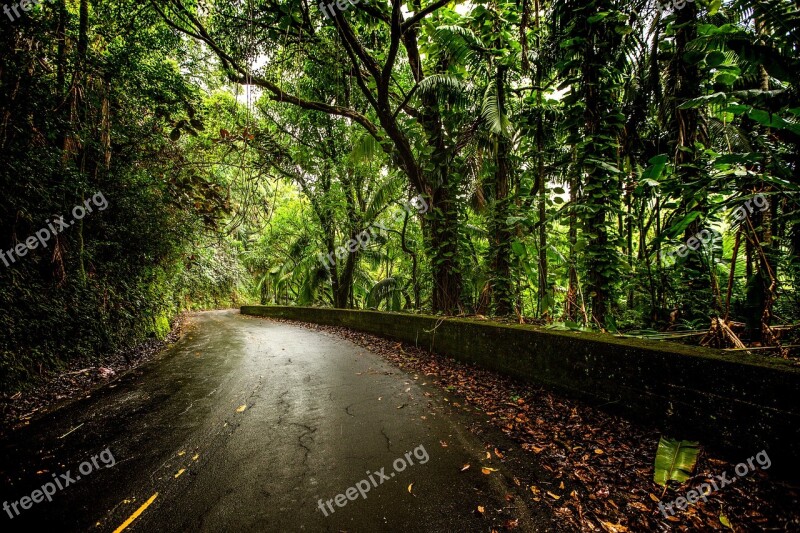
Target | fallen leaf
(497,453)
(534,449)
(554,496)
(487,470)
(598,451)
(654,497)
(613,528)
(488,456)
(640,507)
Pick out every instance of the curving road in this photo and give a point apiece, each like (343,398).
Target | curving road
(251,425)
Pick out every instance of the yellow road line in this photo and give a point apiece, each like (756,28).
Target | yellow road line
(135,515)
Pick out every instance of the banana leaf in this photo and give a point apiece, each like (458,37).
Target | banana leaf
(675,460)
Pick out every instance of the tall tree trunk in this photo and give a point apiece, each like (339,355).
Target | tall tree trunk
(686,84)
(600,185)
(442,223)
(443,240)
(572,304)
(501,233)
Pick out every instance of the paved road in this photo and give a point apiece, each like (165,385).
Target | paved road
(245,425)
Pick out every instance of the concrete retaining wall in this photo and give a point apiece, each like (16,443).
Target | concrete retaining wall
(738,403)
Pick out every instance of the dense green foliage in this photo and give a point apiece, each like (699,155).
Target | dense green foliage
(563,151)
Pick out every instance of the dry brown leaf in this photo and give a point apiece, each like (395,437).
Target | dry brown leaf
(639,507)
(613,528)
(654,497)
(534,449)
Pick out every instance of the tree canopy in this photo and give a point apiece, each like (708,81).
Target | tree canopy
(620,166)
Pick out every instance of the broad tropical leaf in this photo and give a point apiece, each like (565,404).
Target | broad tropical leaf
(675,460)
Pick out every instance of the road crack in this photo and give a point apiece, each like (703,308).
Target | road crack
(388,440)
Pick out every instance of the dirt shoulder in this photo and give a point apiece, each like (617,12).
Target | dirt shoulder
(81,376)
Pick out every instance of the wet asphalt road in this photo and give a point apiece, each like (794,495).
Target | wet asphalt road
(244,425)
